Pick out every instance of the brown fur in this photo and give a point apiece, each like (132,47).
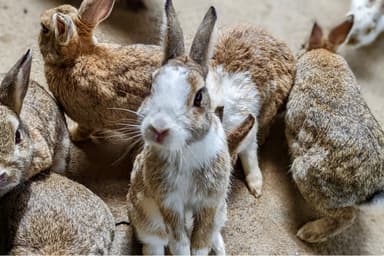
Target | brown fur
(45,213)
(269,61)
(336,143)
(55,216)
(90,80)
(44,136)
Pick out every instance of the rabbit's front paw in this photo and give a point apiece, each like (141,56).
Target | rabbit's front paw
(80,134)
(181,247)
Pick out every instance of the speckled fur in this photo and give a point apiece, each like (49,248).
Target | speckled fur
(337,145)
(52,215)
(44,134)
(167,185)
(89,79)
(269,62)
(45,213)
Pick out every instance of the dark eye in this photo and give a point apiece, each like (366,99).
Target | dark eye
(17,137)
(368,30)
(198,98)
(44,29)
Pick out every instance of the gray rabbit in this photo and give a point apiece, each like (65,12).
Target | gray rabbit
(336,143)
(42,212)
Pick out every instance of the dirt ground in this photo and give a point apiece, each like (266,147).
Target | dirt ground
(255,226)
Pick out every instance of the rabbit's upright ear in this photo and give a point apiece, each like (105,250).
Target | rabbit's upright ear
(95,11)
(236,136)
(15,83)
(64,28)
(316,37)
(172,34)
(203,45)
(339,34)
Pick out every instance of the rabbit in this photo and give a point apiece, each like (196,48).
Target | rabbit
(53,215)
(250,73)
(184,169)
(34,134)
(368,22)
(42,212)
(336,144)
(98,85)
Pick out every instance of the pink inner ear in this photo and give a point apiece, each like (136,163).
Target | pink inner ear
(95,11)
(61,26)
(316,38)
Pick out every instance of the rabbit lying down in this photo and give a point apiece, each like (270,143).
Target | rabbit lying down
(42,212)
(337,145)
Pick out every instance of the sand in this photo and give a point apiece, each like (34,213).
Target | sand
(256,226)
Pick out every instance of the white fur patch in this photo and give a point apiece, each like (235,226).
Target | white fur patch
(203,251)
(239,96)
(60,158)
(368,21)
(166,107)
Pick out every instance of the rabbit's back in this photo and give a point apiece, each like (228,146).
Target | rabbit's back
(55,215)
(269,62)
(109,77)
(337,144)
(43,116)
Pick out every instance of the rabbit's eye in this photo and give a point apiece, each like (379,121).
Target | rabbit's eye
(17,137)
(44,29)
(198,98)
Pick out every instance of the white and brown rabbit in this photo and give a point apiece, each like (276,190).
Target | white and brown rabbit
(98,85)
(42,212)
(251,72)
(337,145)
(185,166)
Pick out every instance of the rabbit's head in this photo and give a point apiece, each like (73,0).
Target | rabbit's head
(178,111)
(15,145)
(335,38)
(67,32)
(369,21)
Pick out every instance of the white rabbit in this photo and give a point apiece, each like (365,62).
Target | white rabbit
(368,21)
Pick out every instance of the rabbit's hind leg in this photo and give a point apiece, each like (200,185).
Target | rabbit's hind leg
(336,221)
(250,163)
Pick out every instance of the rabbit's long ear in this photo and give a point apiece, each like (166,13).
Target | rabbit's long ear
(316,37)
(95,11)
(15,83)
(202,45)
(63,28)
(172,34)
(339,34)
(236,137)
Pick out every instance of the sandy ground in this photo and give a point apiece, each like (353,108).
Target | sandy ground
(255,226)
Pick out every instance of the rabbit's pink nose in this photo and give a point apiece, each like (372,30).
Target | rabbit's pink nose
(160,134)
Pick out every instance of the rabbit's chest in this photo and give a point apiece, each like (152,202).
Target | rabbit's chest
(190,190)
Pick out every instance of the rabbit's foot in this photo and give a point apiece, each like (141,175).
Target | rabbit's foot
(320,230)
(80,134)
(255,183)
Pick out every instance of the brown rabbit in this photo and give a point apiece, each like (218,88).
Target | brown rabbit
(336,143)
(42,213)
(98,85)
(251,72)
